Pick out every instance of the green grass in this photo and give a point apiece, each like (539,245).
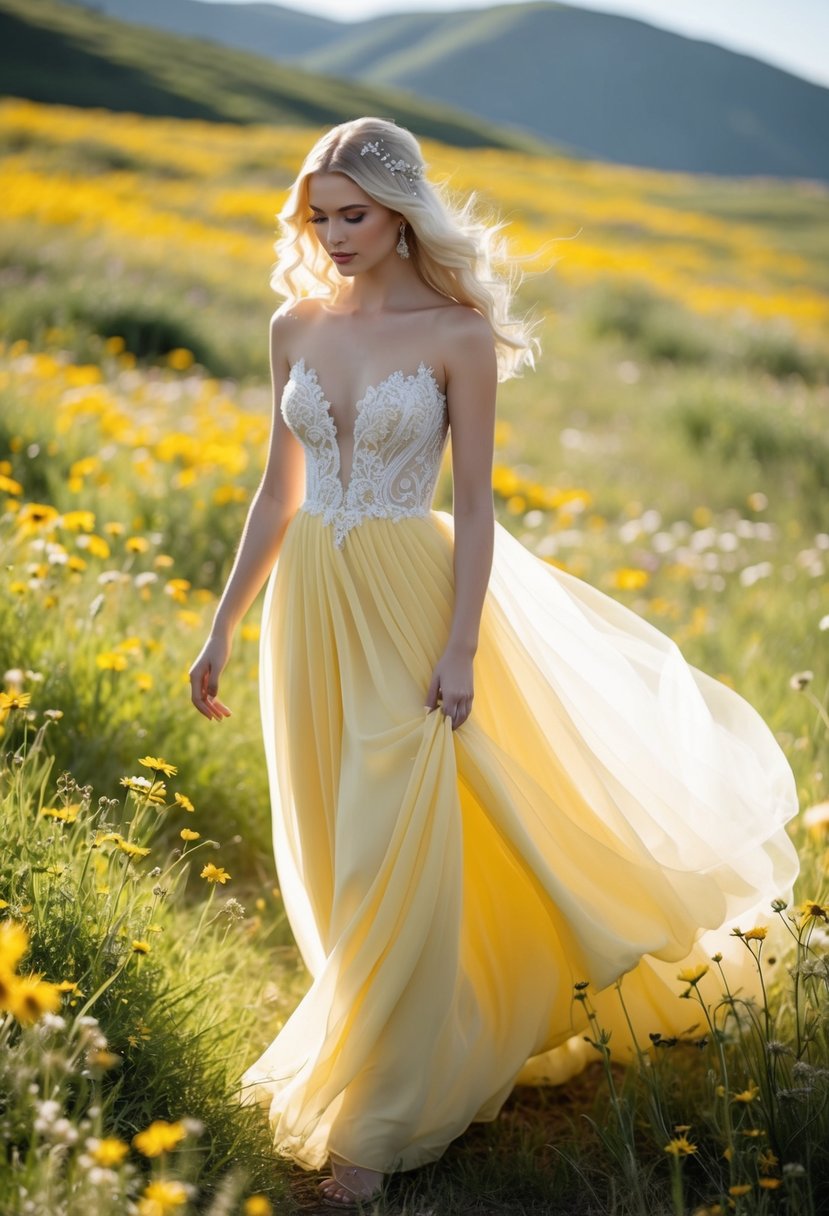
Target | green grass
(702,446)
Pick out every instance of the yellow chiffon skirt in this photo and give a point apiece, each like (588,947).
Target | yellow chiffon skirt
(606,809)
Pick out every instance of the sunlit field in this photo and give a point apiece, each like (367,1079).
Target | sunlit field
(671,448)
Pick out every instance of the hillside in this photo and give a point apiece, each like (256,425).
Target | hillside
(56,52)
(621,90)
(608,87)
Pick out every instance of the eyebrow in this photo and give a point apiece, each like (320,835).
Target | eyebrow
(350,207)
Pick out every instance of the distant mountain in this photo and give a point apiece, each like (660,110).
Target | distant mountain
(610,87)
(58,52)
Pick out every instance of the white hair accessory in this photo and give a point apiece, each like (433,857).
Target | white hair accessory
(410,173)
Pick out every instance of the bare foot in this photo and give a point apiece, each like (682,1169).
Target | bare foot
(350,1185)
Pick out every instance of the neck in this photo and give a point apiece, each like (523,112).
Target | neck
(387,286)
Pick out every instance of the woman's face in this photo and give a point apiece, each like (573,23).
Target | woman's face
(356,231)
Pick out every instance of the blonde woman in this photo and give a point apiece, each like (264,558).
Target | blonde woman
(489,780)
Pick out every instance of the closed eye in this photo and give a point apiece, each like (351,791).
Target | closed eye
(320,219)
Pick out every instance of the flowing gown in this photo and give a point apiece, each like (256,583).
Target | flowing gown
(607,809)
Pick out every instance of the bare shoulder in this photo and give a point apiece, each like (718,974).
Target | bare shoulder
(466,323)
(467,339)
(288,324)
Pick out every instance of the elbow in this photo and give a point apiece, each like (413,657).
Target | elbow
(477,505)
(274,504)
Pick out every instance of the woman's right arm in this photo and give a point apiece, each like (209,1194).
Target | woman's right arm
(274,504)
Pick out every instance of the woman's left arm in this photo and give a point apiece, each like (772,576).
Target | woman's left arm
(471,386)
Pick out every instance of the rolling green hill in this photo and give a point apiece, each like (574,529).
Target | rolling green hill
(618,89)
(598,84)
(56,52)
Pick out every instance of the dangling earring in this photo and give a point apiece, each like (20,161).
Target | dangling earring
(402,247)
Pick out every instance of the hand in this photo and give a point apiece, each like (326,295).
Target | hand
(204,677)
(452,686)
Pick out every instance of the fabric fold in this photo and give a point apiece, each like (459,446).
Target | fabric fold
(607,811)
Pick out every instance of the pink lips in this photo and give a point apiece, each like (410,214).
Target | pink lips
(342,257)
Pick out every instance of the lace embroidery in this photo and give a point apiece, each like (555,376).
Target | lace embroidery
(400,428)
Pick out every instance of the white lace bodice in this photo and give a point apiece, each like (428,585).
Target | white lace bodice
(400,429)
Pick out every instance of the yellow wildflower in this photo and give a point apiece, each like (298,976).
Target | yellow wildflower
(78,521)
(136,544)
(144,681)
(9,486)
(757,934)
(103,1059)
(140,947)
(177,588)
(184,802)
(680,1146)
(628,579)
(33,515)
(770,1184)
(159,1138)
(214,873)
(257,1205)
(107,838)
(32,997)
(811,909)
(109,1151)
(767,1161)
(186,834)
(131,645)
(14,942)
(14,700)
(159,765)
(749,1094)
(131,850)
(741,1188)
(693,975)
(66,813)
(161,1197)
(109,660)
(180,358)
(94,544)
(154,791)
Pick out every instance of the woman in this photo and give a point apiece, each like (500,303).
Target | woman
(450,874)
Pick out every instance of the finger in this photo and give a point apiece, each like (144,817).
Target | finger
(204,710)
(210,687)
(432,694)
(203,696)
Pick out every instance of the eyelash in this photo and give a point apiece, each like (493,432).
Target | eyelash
(319,219)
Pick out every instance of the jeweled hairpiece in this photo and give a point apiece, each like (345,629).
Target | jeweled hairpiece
(411,174)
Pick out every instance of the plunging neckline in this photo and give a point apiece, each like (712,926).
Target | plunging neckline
(371,391)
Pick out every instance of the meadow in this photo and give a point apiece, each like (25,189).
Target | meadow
(671,448)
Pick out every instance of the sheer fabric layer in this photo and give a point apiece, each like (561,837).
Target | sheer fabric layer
(603,806)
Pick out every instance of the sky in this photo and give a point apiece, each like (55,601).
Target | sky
(791,34)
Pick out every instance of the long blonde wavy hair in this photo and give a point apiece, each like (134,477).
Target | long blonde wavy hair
(452,247)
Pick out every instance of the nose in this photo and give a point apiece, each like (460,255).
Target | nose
(336,234)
